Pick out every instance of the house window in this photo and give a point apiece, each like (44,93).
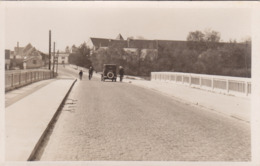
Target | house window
(34,62)
(62,57)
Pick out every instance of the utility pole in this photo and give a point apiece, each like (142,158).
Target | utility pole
(17,49)
(49,49)
(53,56)
(57,62)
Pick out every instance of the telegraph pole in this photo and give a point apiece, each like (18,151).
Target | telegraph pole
(57,64)
(53,56)
(49,49)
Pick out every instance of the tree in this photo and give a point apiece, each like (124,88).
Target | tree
(210,62)
(84,50)
(111,55)
(196,41)
(247,40)
(211,36)
(212,39)
(74,49)
(80,56)
(202,41)
(196,36)
(67,49)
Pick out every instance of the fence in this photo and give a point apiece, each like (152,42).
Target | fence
(223,84)
(18,78)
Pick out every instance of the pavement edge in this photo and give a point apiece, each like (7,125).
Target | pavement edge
(39,142)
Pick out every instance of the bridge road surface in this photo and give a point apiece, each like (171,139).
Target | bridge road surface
(122,122)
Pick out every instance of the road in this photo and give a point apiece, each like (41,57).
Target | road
(122,122)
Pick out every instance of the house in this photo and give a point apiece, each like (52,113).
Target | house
(45,58)
(131,46)
(32,62)
(26,57)
(63,58)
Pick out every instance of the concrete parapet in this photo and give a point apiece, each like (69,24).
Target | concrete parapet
(236,86)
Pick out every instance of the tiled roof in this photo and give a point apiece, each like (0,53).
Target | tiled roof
(119,37)
(27,47)
(145,44)
(139,43)
(100,42)
(118,43)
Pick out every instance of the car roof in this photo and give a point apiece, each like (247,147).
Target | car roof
(110,65)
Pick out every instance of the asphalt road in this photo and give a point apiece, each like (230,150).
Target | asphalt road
(122,122)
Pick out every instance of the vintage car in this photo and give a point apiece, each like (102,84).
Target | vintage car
(109,72)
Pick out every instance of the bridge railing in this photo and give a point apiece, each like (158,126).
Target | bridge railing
(222,84)
(18,78)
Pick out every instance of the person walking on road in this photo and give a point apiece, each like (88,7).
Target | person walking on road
(90,72)
(121,73)
(80,74)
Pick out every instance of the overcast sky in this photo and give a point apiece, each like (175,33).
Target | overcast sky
(72,24)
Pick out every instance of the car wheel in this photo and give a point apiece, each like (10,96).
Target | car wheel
(110,75)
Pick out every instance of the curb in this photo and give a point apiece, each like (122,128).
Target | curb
(39,142)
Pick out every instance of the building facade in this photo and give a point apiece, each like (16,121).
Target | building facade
(33,62)
(62,57)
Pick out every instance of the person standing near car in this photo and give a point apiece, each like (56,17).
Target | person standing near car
(121,73)
(90,72)
(80,74)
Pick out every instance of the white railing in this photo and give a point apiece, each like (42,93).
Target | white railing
(223,84)
(18,78)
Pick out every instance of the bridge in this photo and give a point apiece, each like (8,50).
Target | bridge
(172,117)
(221,84)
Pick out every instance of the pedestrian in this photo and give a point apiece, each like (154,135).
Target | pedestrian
(90,72)
(121,73)
(80,74)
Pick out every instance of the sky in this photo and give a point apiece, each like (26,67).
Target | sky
(76,23)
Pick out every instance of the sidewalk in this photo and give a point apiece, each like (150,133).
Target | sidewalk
(17,94)
(28,116)
(237,107)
